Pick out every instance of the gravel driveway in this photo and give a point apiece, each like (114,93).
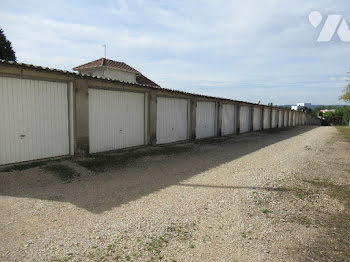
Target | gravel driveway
(242,198)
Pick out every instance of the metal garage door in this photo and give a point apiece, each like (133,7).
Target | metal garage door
(244,119)
(116,119)
(280,118)
(256,118)
(228,119)
(172,119)
(290,118)
(34,120)
(285,120)
(205,119)
(267,115)
(274,118)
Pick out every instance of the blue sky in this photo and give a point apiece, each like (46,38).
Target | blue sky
(247,50)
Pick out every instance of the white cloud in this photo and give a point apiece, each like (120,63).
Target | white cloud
(247,49)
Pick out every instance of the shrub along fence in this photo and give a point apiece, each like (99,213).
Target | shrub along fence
(47,113)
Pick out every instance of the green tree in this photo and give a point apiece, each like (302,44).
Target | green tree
(346,95)
(6,51)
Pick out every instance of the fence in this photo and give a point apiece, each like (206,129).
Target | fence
(46,113)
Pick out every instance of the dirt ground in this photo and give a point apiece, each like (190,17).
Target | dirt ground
(269,196)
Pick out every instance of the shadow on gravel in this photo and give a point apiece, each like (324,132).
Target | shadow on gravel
(110,180)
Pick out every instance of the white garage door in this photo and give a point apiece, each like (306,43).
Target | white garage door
(267,114)
(285,119)
(256,118)
(244,119)
(274,118)
(290,120)
(34,120)
(116,119)
(172,118)
(294,118)
(205,119)
(280,119)
(228,119)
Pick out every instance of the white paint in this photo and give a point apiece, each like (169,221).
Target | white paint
(256,118)
(274,118)
(285,121)
(110,73)
(294,118)
(244,119)
(228,119)
(71,118)
(280,118)
(205,119)
(267,113)
(116,119)
(34,120)
(290,120)
(172,120)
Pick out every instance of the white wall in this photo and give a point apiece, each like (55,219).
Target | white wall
(111,73)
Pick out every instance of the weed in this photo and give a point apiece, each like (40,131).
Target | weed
(244,235)
(266,211)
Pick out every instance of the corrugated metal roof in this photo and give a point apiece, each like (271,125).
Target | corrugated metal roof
(30,66)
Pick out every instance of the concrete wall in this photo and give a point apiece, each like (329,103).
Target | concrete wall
(111,74)
(249,116)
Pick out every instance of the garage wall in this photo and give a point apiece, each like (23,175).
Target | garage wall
(274,118)
(34,119)
(256,118)
(116,119)
(228,119)
(267,118)
(205,119)
(244,119)
(172,120)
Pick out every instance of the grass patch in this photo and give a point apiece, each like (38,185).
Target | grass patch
(266,211)
(345,131)
(334,244)
(143,248)
(103,162)
(339,192)
(65,173)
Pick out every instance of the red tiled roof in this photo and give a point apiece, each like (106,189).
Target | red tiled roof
(103,62)
(141,79)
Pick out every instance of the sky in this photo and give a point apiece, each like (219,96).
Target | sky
(262,50)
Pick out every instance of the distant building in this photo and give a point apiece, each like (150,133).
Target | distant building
(300,105)
(327,110)
(115,70)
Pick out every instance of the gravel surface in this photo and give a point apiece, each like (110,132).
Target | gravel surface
(228,199)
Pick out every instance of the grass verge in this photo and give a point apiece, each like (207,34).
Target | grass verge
(345,131)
